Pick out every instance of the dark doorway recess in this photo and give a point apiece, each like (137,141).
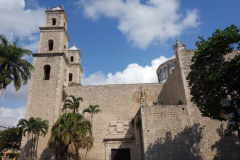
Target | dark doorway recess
(120,154)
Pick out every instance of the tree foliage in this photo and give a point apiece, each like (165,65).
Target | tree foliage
(72,103)
(10,138)
(68,133)
(88,141)
(213,77)
(12,65)
(36,127)
(92,109)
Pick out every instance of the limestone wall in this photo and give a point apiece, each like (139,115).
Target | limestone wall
(76,54)
(119,105)
(138,136)
(60,16)
(168,134)
(44,99)
(173,91)
(59,40)
(75,70)
(161,125)
(213,143)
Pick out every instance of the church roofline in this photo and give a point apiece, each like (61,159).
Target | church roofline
(100,85)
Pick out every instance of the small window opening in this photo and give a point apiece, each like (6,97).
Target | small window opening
(54,21)
(64,47)
(50,45)
(72,58)
(64,24)
(47,69)
(70,76)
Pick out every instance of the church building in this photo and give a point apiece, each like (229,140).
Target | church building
(169,126)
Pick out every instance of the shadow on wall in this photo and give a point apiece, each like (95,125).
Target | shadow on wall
(227,147)
(47,154)
(180,146)
(30,153)
(27,151)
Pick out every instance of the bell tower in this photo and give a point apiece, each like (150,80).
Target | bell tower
(53,36)
(50,74)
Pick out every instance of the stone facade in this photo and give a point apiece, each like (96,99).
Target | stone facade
(165,129)
(179,131)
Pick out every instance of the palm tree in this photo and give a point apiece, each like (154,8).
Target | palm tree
(68,132)
(89,140)
(27,126)
(35,127)
(92,110)
(56,142)
(40,129)
(87,143)
(12,65)
(72,104)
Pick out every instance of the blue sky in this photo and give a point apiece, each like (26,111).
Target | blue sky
(121,41)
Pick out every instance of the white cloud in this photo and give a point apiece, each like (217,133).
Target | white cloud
(132,74)
(10,117)
(20,95)
(16,21)
(143,24)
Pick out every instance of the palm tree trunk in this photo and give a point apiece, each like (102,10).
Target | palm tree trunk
(1,89)
(56,156)
(86,153)
(28,145)
(36,146)
(91,118)
(34,142)
(32,148)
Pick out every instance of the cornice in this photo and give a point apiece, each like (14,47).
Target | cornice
(52,54)
(54,29)
(57,54)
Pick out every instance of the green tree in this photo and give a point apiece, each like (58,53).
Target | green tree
(27,126)
(68,132)
(92,110)
(213,77)
(40,129)
(10,138)
(87,143)
(35,127)
(12,65)
(72,103)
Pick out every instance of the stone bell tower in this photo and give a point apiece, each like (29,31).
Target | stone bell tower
(53,65)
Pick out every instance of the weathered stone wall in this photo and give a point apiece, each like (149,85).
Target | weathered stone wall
(60,16)
(138,135)
(213,144)
(173,91)
(161,125)
(119,105)
(76,54)
(59,40)
(75,70)
(44,98)
(168,134)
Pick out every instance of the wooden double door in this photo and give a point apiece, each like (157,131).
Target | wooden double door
(120,154)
